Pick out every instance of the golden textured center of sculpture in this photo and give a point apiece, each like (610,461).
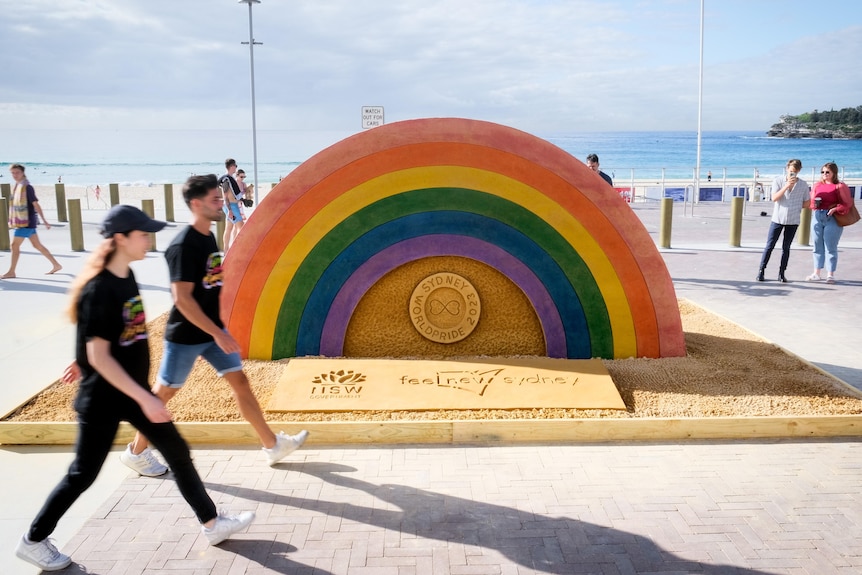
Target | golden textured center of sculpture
(445,307)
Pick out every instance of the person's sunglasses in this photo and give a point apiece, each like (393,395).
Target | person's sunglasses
(825,172)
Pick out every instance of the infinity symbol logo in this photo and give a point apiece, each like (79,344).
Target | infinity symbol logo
(452,308)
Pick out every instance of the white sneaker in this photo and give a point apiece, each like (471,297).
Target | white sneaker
(227,525)
(42,554)
(145,463)
(284,446)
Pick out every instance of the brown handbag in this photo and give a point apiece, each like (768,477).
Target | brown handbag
(848,219)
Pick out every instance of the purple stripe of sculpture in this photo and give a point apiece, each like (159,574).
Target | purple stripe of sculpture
(345,302)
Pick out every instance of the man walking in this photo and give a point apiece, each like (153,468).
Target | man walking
(195,328)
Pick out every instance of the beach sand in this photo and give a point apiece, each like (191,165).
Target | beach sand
(728,371)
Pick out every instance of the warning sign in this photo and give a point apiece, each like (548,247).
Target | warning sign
(372,116)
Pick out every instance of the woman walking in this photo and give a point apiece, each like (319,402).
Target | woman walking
(24,215)
(828,197)
(112,354)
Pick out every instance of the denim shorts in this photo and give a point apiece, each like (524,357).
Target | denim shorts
(178,360)
(25,232)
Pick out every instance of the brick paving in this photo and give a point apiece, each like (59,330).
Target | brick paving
(716,508)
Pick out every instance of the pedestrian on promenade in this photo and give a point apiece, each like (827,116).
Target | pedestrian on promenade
(24,215)
(113,360)
(828,197)
(232,193)
(789,195)
(195,328)
(593,164)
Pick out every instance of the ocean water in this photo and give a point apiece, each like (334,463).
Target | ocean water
(145,157)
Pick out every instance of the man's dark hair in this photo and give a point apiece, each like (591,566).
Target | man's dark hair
(18,167)
(198,187)
(229,162)
(593,158)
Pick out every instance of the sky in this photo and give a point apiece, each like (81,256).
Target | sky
(544,66)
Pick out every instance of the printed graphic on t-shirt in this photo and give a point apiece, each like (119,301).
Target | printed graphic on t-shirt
(213,277)
(135,322)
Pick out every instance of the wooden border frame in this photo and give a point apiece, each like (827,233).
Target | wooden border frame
(475,431)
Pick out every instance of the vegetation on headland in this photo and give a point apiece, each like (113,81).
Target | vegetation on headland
(844,124)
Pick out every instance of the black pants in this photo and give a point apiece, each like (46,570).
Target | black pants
(772,239)
(95,436)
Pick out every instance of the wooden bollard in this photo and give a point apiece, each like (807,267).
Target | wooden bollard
(169,203)
(60,191)
(4,225)
(115,194)
(666,222)
(220,234)
(736,206)
(6,191)
(148,208)
(76,225)
(804,234)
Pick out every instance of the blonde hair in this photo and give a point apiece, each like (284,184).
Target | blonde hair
(100,258)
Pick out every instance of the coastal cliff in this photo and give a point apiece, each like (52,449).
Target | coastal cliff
(844,124)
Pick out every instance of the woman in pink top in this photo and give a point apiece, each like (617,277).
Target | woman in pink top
(828,196)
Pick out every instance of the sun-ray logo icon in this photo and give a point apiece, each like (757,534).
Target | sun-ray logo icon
(340,376)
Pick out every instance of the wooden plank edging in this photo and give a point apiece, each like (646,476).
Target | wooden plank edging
(475,431)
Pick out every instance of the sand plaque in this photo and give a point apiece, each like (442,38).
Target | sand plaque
(347,384)
(445,307)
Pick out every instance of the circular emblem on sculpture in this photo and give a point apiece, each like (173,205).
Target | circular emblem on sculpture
(445,307)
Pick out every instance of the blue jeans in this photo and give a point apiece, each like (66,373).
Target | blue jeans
(826,232)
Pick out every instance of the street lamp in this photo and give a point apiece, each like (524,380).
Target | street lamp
(251,44)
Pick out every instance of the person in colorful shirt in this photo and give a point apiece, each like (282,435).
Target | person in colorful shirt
(24,215)
(195,328)
(112,361)
(828,197)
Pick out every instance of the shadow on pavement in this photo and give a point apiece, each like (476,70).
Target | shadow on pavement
(547,544)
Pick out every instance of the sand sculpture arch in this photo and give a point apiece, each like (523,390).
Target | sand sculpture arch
(404,209)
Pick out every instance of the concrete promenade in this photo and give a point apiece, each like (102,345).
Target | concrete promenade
(698,507)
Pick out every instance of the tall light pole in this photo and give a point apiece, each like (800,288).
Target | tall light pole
(251,44)
(699,113)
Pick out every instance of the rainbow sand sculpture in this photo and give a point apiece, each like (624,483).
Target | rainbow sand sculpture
(448,237)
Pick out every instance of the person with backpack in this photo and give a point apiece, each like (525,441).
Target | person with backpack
(232,193)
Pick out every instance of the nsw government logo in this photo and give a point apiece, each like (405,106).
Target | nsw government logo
(445,307)
(341,384)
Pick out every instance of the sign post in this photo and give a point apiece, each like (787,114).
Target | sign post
(372,116)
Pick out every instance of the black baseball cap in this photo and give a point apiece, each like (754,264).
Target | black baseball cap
(123,219)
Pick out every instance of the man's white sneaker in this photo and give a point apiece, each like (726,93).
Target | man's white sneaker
(227,525)
(284,446)
(145,463)
(42,554)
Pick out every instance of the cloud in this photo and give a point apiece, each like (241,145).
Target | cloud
(538,65)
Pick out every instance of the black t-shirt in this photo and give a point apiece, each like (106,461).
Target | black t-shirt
(111,308)
(195,257)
